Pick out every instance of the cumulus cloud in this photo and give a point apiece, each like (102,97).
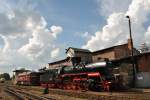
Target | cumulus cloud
(107,7)
(116,30)
(27,40)
(56,29)
(109,34)
(55,52)
(42,39)
(147,36)
(84,35)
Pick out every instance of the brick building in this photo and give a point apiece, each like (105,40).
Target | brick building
(76,55)
(143,62)
(113,53)
(143,74)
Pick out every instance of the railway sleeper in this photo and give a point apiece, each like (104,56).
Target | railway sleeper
(22,95)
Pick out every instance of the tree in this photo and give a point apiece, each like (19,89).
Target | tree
(6,76)
(144,48)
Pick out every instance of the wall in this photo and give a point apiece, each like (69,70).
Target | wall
(85,56)
(144,62)
(108,54)
(122,51)
(70,53)
(143,80)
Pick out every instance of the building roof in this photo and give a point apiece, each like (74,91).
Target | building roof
(78,50)
(129,58)
(109,48)
(59,61)
(21,70)
(141,54)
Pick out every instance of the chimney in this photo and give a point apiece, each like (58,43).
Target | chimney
(129,44)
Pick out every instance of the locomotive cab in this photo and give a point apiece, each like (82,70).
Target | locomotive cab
(96,76)
(100,76)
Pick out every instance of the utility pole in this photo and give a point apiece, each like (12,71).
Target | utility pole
(132,53)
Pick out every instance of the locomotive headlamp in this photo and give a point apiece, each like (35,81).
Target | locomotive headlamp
(109,82)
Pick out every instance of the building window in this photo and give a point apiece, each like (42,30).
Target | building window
(99,58)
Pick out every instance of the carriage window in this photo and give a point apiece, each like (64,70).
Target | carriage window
(99,58)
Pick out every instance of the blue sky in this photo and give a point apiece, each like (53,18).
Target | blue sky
(75,16)
(36,32)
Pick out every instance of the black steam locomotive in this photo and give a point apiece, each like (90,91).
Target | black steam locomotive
(96,76)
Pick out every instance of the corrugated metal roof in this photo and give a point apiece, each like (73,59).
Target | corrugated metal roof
(59,61)
(78,49)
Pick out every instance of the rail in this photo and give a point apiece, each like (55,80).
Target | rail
(22,95)
(91,95)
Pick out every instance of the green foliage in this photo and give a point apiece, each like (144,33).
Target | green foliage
(6,76)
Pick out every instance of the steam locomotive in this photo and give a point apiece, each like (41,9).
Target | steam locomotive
(96,76)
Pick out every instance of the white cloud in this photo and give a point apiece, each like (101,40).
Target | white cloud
(27,40)
(55,30)
(147,36)
(110,33)
(116,30)
(55,52)
(84,35)
(107,7)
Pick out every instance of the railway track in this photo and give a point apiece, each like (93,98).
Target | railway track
(88,95)
(24,95)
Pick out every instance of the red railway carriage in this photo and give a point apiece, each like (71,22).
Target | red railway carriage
(28,78)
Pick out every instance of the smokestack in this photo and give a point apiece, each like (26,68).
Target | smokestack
(130,44)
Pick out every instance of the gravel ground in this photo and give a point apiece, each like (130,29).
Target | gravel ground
(96,95)
(4,95)
(59,94)
(51,95)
